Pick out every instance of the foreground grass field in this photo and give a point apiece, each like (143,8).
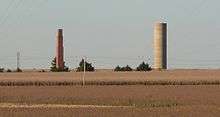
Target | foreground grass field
(110,94)
(171,77)
(200,100)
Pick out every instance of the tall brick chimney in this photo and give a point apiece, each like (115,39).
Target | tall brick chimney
(59,50)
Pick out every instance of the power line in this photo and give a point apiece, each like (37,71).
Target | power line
(4,19)
(27,11)
(30,9)
(113,63)
(193,13)
(17,17)
(104,59)
(7,9)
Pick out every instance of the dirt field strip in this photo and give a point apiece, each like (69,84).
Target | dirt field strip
(11,105)
(110,101)
(169,77)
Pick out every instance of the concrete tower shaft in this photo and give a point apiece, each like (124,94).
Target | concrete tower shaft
(160,46)
(59,50)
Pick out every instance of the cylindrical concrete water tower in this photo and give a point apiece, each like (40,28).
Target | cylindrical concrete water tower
(160,46)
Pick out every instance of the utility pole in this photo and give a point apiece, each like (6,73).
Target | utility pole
(84,70)
(18,61)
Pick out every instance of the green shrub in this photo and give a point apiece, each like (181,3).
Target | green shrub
(8,70)
(42,70)
(18,70)
(54,68)
(144,67)
(118,68)
(126,68)
(1,69)
(88,66)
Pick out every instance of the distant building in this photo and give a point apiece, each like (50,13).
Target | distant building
(160,46)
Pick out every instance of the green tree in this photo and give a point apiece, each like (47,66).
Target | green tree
(54,68)
(1,69)
(8,70)
(126,68)
(118,68)
(144,67)
(18,70)
(88,66)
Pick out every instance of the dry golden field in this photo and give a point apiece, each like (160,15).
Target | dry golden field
(169,76)
(156,99)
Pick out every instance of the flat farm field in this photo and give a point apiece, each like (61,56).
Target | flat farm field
(62,99)
(110,101)
(170,77)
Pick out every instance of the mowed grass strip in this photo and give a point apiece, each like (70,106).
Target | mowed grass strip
(141,103)
(103,83)
(13,105)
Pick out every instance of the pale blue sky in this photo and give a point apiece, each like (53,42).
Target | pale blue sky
(109,32)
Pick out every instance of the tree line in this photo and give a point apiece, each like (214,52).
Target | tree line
(9,70)
(88,67)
